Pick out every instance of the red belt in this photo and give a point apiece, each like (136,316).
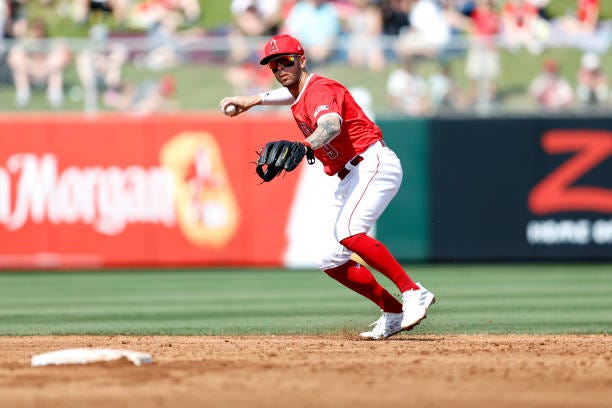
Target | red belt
(344,171)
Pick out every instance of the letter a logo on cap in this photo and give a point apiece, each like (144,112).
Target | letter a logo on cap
(273,46)
(280,45)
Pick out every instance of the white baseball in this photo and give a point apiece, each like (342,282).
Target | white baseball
(230,109)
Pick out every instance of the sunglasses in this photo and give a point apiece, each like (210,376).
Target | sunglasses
(286,61)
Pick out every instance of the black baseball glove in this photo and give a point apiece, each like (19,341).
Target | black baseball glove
(281,155)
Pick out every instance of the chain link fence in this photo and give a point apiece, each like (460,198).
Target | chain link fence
(142,75)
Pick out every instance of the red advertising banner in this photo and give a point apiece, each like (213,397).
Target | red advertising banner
(120,191)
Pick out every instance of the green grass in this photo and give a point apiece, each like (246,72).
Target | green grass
(517,298)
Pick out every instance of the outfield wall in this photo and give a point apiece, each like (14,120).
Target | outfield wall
(181,189)
(165,190)
(521,189)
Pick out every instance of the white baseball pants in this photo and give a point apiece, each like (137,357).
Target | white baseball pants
(361,198)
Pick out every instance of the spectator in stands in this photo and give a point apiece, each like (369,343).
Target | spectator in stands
(10,18)
(38,61)
(455,16)
(248,78)
(583,28)
(522,26)
(317,25)
(148,14)
(165,43)
(364,27)
(541,6)
(143,98)
(407,89)
(100,64)
(166,34)
(4,18)
(592,89)
(583,21)
(429,31)
(12,21)
(549,90)
(444,92)
(256,17)
(83,10)
(394,15)
(482,63)
(252,18)
(464,7)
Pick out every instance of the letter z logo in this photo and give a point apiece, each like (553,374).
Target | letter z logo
(555,192)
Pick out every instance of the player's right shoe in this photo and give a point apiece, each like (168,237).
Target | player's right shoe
(415,305)
(386,326)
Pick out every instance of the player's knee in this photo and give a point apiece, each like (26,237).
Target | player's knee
(329,263)
(351,243)
(344,232)
(334,258)
(341,233)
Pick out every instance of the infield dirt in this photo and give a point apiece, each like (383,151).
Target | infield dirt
(328,371)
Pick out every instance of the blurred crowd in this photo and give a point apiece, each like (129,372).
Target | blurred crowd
(376,33)
(37,61)
(463,39)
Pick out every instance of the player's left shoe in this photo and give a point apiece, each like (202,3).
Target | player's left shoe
(415,305)
(386,326)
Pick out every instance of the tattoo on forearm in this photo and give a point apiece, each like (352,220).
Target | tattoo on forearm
(325,132)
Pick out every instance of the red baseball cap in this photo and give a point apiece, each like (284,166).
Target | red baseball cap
(281,45)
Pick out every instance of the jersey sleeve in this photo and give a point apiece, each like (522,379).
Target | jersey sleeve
(278,96)
(323,100)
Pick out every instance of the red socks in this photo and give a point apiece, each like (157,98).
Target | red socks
(375,254)
(358,278)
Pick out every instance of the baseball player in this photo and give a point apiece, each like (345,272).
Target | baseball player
(350,147)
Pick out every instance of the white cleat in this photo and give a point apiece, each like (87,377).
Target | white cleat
(415,305)
(386,326)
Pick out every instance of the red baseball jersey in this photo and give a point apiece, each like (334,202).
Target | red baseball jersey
(322,95)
